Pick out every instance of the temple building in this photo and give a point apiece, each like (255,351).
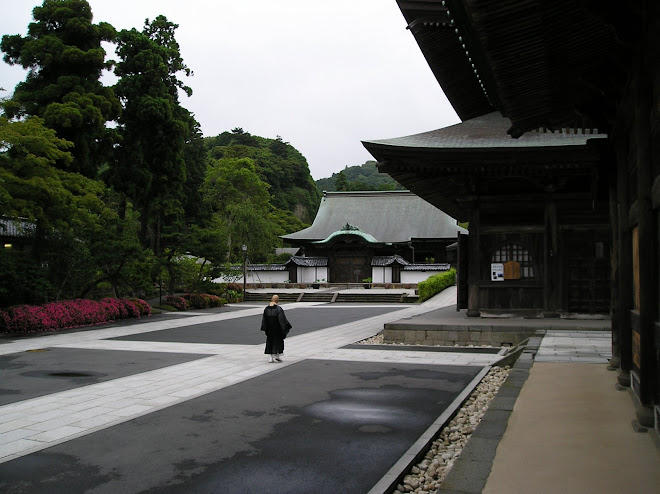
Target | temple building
(530,202)
(556,165)
(385,236)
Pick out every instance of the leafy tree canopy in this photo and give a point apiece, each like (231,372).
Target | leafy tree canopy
(63,54)
(160,156)
(361,177)
(278,164)
(240,201)
(78,240)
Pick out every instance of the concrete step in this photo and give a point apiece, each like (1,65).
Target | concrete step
(265,297)
(318,297)
(389,298)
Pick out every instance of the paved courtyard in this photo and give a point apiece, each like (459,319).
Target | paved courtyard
(189,403)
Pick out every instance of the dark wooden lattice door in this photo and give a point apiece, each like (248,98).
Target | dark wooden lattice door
(350,269)
(588,273)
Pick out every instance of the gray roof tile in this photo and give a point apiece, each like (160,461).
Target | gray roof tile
(489,131)
(390,217)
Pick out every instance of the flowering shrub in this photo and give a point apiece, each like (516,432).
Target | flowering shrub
(203,300)
(143,307)
(215,301)
(197,300)
(179,303)
(69,314)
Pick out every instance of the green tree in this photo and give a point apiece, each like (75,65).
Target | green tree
(362,177)
(155,130)
(63,54)
(77,239)
(278,163)
(342,182)
(240,201)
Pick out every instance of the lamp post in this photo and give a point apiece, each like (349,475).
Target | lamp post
(244,248)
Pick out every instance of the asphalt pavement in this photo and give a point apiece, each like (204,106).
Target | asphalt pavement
(191,404)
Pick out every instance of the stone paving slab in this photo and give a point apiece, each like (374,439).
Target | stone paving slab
(246,330)
(27,375)
(593,347)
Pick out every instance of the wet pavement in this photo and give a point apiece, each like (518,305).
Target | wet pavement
(315,426)
(142,408)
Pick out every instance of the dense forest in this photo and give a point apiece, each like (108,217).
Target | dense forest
(115,189)
(361,177)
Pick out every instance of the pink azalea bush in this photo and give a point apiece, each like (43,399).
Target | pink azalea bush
(203,300)
(69,314)
(179,303)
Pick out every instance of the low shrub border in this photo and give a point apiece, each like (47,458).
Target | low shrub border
(435,284)
(203,300)
(69,314)
(194,301)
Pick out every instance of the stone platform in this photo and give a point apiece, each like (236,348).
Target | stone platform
(449,327)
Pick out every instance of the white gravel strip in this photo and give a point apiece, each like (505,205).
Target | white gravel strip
(427,476)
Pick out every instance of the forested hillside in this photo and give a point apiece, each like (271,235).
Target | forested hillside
(278,163)
(361,177)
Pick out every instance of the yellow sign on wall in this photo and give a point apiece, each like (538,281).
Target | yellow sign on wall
(512,270)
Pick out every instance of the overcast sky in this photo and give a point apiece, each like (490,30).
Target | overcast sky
(323,75)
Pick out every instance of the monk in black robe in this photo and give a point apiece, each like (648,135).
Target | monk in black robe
(276,326)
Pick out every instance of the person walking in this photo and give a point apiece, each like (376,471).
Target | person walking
(276,326)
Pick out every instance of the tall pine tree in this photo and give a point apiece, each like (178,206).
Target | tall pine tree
(155,130)
(63,54)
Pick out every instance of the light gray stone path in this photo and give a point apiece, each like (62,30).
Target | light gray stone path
(594,347)
(39,423)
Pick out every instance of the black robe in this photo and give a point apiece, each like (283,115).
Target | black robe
(276,326)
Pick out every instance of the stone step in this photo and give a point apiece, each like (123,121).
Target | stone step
(318,297)
(371,298)
(326,296)
(265,297)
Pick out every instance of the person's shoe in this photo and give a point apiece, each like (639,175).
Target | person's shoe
(271,360)
(278,359)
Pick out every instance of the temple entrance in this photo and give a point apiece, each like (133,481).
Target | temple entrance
(351,268)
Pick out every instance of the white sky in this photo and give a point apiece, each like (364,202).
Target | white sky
(324,75)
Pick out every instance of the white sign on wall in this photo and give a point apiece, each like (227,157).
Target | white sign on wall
(497,271)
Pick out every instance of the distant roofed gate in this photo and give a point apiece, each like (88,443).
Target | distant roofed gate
(351,229)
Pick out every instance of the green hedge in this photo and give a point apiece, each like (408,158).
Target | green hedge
(435,284)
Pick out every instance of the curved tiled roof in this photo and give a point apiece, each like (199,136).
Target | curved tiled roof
(487,132)
(357,233)
(308,261)
(388,217)
(427,267)
(388,260)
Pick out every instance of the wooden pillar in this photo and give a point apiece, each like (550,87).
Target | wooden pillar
(624,266)
(474,262)
(550,260)
(643,342)
(615,361)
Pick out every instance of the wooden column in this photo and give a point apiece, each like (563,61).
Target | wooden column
(550,260)
(624,265)
(615,361)
(643,343)
(474,261)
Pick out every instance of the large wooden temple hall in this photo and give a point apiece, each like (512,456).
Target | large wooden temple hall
(556,164)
